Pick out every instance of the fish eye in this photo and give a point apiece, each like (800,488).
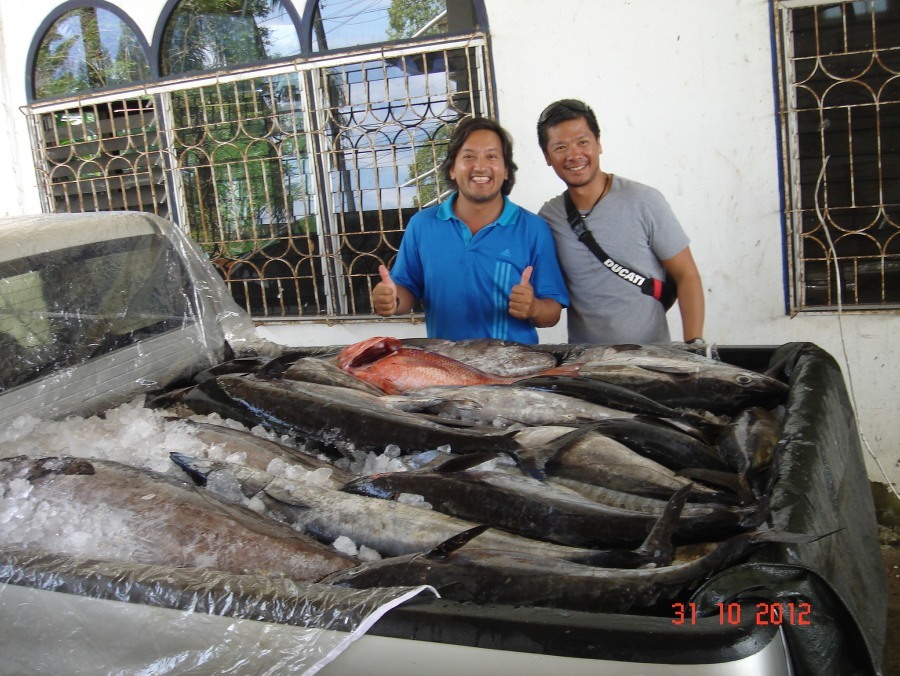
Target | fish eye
(744,379)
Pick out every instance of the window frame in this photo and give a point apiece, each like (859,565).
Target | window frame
(341,305)
(796,215)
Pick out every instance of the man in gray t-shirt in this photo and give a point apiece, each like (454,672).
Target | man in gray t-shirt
(633,224)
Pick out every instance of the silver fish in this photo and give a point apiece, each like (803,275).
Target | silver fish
(504,405)
(313,370)
(259,453)
(500,357)
(681,379)
(507,577)
(588,456)
(156,518)
(391,528)
(523,505)
(335,417)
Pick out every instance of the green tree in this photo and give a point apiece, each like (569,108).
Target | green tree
(426,164)
(407,17)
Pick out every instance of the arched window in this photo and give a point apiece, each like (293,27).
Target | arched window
(340,24)
(202,35)
(84,48)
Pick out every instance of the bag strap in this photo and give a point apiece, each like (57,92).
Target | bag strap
(665,292)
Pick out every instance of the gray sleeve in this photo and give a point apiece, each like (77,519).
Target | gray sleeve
(667,237)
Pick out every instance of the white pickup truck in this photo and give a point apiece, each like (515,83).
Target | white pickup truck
(97,308)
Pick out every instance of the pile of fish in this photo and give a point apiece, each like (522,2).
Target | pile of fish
(600,478)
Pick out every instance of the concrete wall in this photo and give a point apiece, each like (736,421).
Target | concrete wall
(685,95)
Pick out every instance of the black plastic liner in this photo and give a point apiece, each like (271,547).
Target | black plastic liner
(822,488)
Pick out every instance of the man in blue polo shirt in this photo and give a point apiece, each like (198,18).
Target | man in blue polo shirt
(483,266)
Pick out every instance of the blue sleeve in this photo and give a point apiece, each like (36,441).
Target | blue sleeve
(548,280)
(407,269)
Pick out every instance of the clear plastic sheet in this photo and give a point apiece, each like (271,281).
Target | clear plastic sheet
(106,617)
(96,308)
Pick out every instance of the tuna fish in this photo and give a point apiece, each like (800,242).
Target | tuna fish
(663,443)
(393,528)
(334,417)
(681,379)
(503,406)
(525,506)
(499,357)
(496,576)
(122,513)
(256,452)
(590,457)
(618,397)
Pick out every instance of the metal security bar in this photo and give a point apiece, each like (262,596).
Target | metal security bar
(298,179)
(103,156)
(840,94)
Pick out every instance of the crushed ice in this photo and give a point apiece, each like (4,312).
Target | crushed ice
(142,437)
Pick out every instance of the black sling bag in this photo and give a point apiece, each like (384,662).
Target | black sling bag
(663,291)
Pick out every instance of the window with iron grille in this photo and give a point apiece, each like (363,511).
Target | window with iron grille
(295,165)
(839,64)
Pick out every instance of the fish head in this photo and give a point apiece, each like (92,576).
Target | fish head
(367,351)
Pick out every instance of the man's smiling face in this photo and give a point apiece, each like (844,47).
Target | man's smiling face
(574,152)
(480,170)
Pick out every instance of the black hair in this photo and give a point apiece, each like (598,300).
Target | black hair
(563,111)
(458,138)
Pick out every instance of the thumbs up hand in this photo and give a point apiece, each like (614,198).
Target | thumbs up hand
(521,298)
(384,295)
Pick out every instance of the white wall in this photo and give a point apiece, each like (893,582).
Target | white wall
(685,96)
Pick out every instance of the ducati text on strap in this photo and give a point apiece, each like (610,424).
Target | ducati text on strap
(625,273)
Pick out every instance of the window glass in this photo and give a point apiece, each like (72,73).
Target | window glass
(51,318)
(85,49)
(338,24)
(216,34)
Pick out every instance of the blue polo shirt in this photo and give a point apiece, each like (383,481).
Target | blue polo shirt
(464,280)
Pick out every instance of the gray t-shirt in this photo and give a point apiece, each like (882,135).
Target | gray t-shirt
(637,228)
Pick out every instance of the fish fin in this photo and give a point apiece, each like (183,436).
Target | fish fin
(188,465)
(367,351)
(562,370)
(461,463)
(657,546)
(452,544)
(533,462)
(281,494)
(782,536)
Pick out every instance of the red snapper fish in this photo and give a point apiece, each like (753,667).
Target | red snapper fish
(393,368)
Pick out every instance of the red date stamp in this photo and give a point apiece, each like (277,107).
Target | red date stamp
(773,613)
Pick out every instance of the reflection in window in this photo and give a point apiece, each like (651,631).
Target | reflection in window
(346,23)
(86,49)
(209,35)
